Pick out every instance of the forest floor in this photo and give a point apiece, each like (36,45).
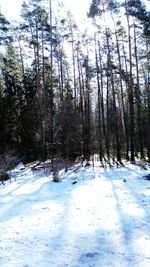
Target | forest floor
(92,218)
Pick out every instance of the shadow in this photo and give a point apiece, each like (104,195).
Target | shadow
(64,226)
(135,222)
(17,203)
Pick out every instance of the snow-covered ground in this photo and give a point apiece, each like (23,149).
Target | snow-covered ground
(102,220)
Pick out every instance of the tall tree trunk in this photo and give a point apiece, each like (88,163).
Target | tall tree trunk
(51,85)
(138,98)
(122,94)
(44,113)
(99,103)
(104,124)
(147,84)
(81,85)
(87,110)
(130,89)
(114,101)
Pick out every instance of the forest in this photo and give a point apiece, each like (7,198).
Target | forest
(66,93)
(75,135)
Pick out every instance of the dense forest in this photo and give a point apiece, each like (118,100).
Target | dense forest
(65,93)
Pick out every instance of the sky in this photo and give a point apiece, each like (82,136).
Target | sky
(11,8)
(79,8)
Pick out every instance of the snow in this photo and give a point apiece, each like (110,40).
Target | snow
(102,220)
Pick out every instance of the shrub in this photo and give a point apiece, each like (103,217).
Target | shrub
(7,162)
(4,177)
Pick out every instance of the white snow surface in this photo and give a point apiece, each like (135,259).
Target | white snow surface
(102,220)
